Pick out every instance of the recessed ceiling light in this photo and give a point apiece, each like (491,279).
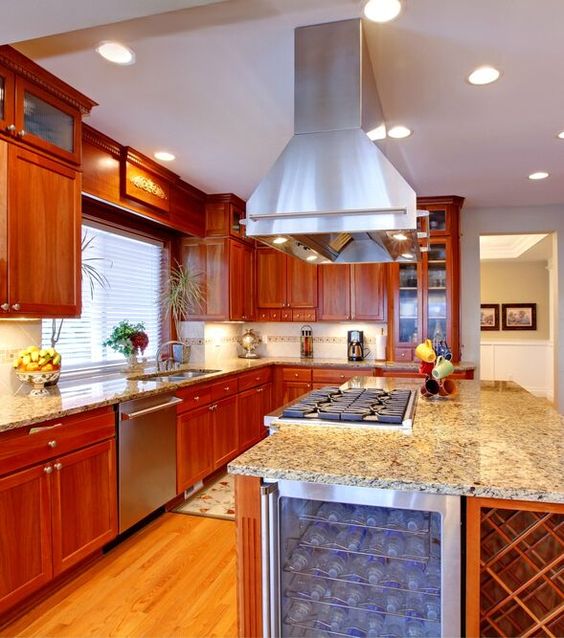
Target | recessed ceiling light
(116,52)
(164,156)
(400,236)
(484,75)
(311,258)
(399,132)
(561,135)
(378,133)
(538,175)
(279,240)
(382,10)
(407,255)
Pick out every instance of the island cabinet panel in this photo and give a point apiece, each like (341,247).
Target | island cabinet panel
(249,560)
(25,534)
(514,559)
(194,454)
(43,218)
(84,503)
(224,431)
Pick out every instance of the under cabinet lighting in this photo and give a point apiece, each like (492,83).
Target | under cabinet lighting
(407,255)
(116,52)
(311,258)
(280,240)
(400,236)
(164,156)
(538,175)
(484,75)
(382,10)
(399,132)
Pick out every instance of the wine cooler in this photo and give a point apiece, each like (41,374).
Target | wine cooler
(353,561)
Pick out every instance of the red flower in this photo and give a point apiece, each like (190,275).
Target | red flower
(139,341)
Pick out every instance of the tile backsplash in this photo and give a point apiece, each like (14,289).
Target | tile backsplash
(14,336)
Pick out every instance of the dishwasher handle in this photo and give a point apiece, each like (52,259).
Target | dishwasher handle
(155,408)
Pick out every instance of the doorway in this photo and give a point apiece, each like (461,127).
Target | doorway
(518,305)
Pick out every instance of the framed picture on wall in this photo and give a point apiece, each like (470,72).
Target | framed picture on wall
(519,316)
(489,316)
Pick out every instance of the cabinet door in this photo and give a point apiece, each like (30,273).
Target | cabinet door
(271,278)
(407,284)
(302,283)
(210,258)
(267,407)
(47,122)
(240,281)
(6,99)
(225,438)
(368,292)
(4,305)
(25,534)
(334,292)
(84,503)
(291,390)
(193,447)
(250,409)
(44,219)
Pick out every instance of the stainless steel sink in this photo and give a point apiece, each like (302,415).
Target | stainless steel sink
(179,376)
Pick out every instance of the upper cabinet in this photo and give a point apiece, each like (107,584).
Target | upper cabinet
(352,292)
(224,213)
(40,185)
(426,295)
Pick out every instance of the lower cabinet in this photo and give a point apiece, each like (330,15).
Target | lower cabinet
(193,447)
(52,516)
(253,405)
(224,430)
(291,390)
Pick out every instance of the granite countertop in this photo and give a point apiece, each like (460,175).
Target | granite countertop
(493,439)
(19,410)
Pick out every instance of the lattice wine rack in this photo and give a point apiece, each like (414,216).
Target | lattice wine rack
(515,569)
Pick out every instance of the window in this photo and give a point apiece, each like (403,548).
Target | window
(133,268)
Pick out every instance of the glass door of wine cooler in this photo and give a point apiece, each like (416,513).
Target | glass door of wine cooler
(346,561)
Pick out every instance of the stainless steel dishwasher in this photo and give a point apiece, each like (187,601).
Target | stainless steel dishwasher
(146,456)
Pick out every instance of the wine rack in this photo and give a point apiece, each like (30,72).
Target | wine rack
(515,569)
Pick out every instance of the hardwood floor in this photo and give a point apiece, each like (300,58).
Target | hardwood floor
(176,577)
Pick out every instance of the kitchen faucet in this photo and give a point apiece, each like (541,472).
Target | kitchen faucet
(170,361)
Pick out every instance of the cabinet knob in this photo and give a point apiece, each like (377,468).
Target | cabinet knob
(58,466)
(16,307)
(48,469)
(342,376)
(213,407)
(21,133)
(196,398)
(226,388)
(296,374)
(5,307)
(52,443)
(11,128)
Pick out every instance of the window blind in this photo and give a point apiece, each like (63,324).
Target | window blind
(133,268)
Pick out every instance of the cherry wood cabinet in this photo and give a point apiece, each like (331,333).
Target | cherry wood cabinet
(221,261)
(193,447)
(224,213)
(6,99)
(224,430)
(286,287)
(352,292)
(43,219)
(254,404)
(426,295)
(84,503)
(25,534)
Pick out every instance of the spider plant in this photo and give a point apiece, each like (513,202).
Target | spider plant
(183,294)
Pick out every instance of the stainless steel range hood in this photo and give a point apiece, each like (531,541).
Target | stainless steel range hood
(332,195)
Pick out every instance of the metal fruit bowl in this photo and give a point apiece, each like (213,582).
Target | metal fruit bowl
(38,380)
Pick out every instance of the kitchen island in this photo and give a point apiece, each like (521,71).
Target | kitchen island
(494,445)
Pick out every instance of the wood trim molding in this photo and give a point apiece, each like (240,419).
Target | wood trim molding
(132,156)
(101,141)
(226,198)
(457,200)
(26,68)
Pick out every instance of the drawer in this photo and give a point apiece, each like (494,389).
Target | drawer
(296,374)
(252,379)
(403,354)
(224,388)
(303,315)
(263,314)
(338,375)
(41,441)
(286,315)
(193,397)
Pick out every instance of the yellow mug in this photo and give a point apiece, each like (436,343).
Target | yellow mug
(443,367)
(425,352)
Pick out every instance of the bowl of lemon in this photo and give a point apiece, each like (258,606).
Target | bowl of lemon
(38,368)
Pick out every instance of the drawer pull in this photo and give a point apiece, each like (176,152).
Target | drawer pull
(196,398)
(213,407)
(48,469)
(44,427)
(52,443)
(58,466)
(342,376)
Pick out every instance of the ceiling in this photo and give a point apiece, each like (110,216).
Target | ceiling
(515,247)
(214,85)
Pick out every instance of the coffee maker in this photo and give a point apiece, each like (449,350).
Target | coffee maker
(355,345)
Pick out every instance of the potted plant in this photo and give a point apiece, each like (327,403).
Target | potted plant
(128,339)
(183,294)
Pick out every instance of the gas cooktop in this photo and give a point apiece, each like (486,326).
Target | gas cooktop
(352,407)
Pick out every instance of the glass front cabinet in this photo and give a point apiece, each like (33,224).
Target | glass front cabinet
(425,295)
(6,99)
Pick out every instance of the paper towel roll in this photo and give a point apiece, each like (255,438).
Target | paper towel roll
(380,347)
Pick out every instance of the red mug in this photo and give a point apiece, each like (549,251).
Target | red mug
(426,368)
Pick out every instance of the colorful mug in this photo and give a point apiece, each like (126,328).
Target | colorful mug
(443,367)
(448,388)
(426,368)
(430,388)
(425,352)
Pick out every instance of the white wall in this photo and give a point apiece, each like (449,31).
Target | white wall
(476,222)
